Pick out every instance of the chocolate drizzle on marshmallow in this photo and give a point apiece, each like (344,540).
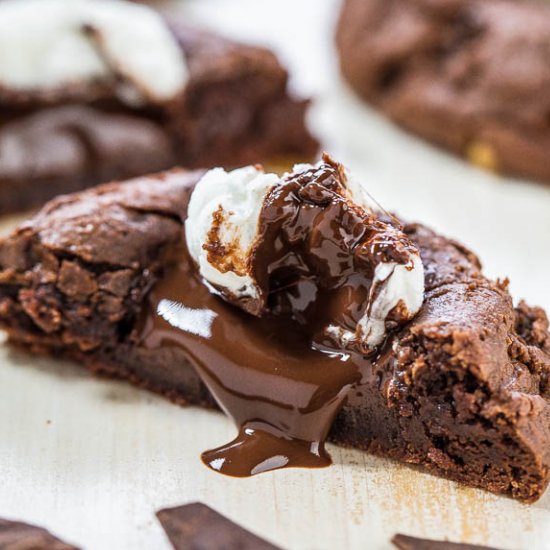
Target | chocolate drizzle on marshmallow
(309,246)
(299,281)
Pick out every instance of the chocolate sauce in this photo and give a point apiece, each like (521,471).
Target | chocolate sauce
(282,394)
(277,373)
(317,253)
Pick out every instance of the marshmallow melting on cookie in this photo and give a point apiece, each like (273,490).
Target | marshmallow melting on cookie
(310,244)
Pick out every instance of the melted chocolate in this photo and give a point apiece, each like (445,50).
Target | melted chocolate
(277,373)
(317,252)
(282,394)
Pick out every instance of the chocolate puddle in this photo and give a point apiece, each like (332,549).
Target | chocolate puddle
(282,394)
(270,361)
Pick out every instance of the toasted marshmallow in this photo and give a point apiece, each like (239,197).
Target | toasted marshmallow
(400,285)
(222,225)
(46,45)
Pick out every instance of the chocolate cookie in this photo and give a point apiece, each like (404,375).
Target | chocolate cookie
(73,124)
(470,75)
(462,389)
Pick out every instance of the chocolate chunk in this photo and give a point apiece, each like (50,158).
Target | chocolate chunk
(404,542)
(15,535)
(197,527)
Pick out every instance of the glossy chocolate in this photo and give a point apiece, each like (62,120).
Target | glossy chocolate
(317,252)
(271,365)
(282,394)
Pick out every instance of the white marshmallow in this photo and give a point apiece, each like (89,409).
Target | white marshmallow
(393,283)
(43,46)
(240,195)
(399,283)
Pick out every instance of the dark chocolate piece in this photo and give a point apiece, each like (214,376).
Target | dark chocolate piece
(15,535)
(462,390)
(455,72)
(404,542)
(235,109)
(197,527)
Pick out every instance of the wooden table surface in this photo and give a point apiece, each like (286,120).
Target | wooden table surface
(92,460)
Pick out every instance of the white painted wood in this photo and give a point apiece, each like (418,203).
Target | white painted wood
(92,460)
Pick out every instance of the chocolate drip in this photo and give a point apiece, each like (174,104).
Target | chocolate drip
(277,372)
(281,393)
